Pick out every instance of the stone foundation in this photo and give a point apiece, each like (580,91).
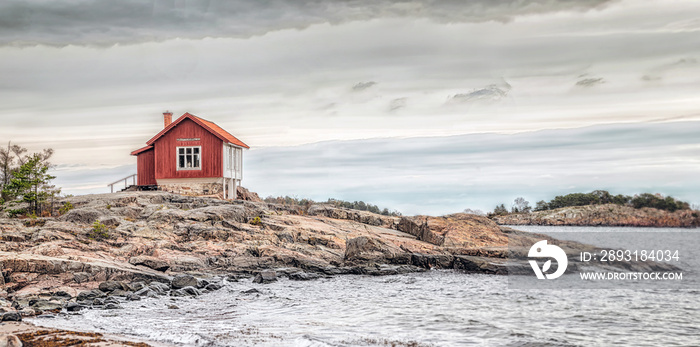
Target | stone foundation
(192,188)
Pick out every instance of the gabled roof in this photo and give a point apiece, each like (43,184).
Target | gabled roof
(209,126)
(141,150)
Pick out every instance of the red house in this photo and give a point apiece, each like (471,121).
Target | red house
(191,156)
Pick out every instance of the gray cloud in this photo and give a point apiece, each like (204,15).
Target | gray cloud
(363,85)
(397,104)
(590,82)
(106,22)
(487,94)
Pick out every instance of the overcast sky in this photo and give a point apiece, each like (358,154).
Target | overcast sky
(424,106)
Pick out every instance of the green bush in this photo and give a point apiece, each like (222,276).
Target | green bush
(67,206)
(16,213)
(255,221)
(98,232)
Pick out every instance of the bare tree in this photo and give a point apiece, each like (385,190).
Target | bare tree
(474,211)
(521,205)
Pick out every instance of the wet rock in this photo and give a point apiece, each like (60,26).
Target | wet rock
(98,302)
(159,288)
(173,307)
(150,262)
(251,291)
(430,261)
(119,292)
(136,286)
(27,312)
(303,276)
(112,306)
(202,283)
(111,300)
(74,307)
(90,295)
(133,297)
(212,287)
(110,286)
(46,305)
(480,265)
(11,317)
(145,292)
(183,281)
(267,276)
(384,269)
(186,291)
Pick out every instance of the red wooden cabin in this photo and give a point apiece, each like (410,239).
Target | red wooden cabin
(191,156)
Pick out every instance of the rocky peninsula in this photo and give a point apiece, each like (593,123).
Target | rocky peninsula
(112,248)
(604,215)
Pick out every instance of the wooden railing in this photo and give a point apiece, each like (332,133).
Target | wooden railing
(126,184)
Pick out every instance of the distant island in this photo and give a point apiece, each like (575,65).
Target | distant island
(600,208)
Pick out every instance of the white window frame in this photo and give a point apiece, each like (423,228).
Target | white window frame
(177,157)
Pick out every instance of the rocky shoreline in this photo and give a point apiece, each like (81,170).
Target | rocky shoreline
(604,215)
(113,248)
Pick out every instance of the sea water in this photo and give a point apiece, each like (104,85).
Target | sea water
(433,308)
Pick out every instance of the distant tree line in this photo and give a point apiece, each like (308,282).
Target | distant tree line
(24,178)
(600,197)
(355,205)
(596,197)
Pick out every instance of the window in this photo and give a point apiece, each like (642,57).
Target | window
(189,158)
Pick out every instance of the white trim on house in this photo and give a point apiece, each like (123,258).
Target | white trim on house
(232,169)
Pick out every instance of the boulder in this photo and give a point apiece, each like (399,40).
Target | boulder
(135,286)
(90,295)
(247,195)
(110,286)
(119,292)
(10,340)
(74,307)
(186,291)
(11,317)
(45,305)
(159,288)
(267,276)
(183,281)
(150,262)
